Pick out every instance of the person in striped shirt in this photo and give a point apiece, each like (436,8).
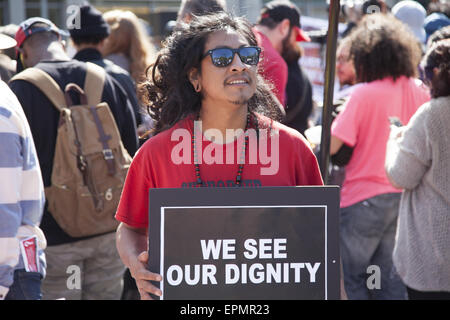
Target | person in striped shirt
(21,202)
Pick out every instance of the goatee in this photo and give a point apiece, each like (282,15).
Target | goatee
(240,102)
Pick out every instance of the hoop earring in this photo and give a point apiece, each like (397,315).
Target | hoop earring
(197,87)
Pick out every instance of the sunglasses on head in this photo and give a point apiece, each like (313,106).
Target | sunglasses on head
(222,57)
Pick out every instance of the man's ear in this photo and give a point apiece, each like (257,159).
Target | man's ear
(284,27)
(64,45)
(194,78)
(101,44)
(62,42)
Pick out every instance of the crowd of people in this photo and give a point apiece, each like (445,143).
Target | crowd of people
(72,123)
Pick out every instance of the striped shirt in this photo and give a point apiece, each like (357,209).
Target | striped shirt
(21,188)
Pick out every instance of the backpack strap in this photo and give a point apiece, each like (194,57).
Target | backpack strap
(44,82)
(93,87)
(94,82)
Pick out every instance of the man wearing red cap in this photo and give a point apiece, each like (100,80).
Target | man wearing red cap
(278,29)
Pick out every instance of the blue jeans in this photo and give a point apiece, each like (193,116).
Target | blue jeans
(367,232)
(26,286)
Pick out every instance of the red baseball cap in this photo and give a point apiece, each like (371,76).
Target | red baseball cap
(25,29)
(301,35)
(279,10)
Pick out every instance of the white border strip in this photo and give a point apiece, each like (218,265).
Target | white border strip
(161,255)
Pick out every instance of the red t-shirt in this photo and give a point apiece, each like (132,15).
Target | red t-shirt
(163,163)
(272,66)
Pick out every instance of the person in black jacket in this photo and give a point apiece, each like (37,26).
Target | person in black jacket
(92,261)
(88,38)
(299,103)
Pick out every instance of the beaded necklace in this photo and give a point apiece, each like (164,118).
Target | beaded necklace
(199,182)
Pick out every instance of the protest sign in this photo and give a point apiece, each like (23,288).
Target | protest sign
(245,243)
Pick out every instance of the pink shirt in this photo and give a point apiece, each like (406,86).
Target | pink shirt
(272,66)
(364,124)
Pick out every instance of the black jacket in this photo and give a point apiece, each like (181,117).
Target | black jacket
(43,118)
(299,103)
(119,74)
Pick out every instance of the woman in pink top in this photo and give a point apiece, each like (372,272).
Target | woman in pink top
(386,56)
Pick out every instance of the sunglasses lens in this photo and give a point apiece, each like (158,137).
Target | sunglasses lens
(222,57)
(249,55)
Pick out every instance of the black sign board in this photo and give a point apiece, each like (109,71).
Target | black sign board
(245,243)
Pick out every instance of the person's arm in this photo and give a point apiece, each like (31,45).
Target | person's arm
(132,247)
(21,187)
(345,127)
(395,134)
(408,153)
(335,144)
(10,210)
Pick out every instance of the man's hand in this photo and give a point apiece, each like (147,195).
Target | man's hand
(132,248)
(138,270)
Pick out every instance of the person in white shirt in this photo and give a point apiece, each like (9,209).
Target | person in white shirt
(21,201)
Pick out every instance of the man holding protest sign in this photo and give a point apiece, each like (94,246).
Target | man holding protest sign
(214,128)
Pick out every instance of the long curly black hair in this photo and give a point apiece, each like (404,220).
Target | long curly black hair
(168,93)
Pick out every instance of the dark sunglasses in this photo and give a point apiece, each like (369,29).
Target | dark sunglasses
(222,57)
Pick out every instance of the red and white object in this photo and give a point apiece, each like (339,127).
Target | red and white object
(28,249)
